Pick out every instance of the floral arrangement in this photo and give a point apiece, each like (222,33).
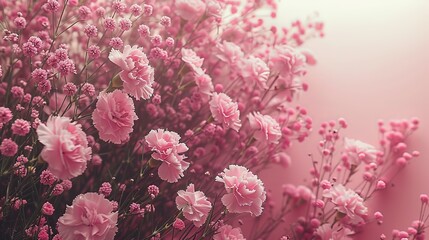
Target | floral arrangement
(152,120)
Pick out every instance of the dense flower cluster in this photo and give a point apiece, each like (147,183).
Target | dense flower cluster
(153,119)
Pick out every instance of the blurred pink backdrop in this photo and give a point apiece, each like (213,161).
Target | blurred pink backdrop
(372,64)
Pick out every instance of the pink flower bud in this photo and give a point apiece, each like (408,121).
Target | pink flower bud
(424,198)
(381,185)
(48,209)
(179,224)
(378,216)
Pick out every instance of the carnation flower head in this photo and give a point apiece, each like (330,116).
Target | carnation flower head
(229,52)
(114,116)
(66,147)
(256,71)
(204,84)
(347,202)
(268,129)
(326,232)
(227,232)
(288,62)
(90,216)
(225,111)
(168,149)
(189,9)
(192,59)
(358,151)
(137,75)
(245,191)
(194,205)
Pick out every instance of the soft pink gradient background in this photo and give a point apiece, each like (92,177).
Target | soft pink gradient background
(373,64)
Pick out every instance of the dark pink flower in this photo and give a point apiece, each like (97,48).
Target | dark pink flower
(48,209)
(137,75)
(5,115)
(21,127)
(66,147)
(90,216)
(245,191)
(179,224)
(194,205)
(8,147)
(114,116)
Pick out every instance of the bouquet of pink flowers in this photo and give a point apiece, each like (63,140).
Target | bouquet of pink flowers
(152,119)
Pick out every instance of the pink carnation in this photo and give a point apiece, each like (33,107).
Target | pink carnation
(194,205)
(358,151)
(225,111)
(227,232)
(287,62)
(245,192)
(268,129)
(229,52)
(256,71)
(325,232)
(204,84)
(114,116)
(137,75)
(167,149)
(192,59)
(189,9)
(66,147)
(214,8)
(348,202)
(90,216)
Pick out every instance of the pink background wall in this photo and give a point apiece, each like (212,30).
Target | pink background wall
(373,64)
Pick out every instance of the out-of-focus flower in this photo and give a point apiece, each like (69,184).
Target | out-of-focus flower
(189,9)
(192,59)
(227,232)
(325,232)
